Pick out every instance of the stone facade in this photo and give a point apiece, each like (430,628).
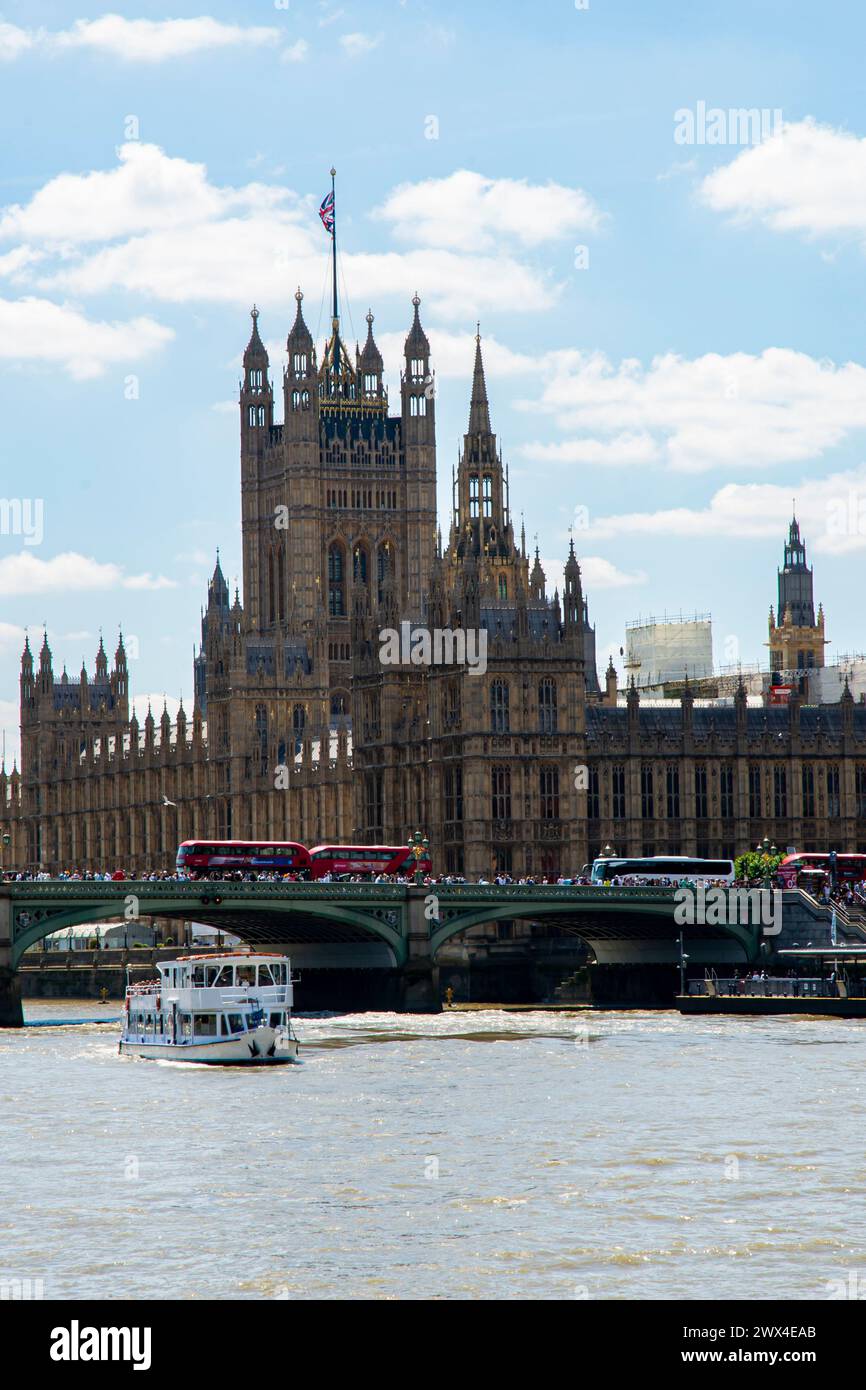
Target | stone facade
(302,728)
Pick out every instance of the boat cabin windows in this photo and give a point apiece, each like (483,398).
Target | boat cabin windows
(235,1023)
(278,1020)
(272,974)
(217,976)
(205,1025)
(185,1025)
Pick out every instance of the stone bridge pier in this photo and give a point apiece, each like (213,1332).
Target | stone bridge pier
(420,974)
(11,1014)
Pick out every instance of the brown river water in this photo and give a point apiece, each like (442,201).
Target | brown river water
(465,1155)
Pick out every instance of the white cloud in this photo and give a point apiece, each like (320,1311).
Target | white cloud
(68,573)
(146,191)
(598,573)
(14,42)
(831,512)
(453,355)
(147,581)
(157,226)
(623,451)
(735,411)
(296,52)
(679,166)
(11,639)
(153,41)
(468,211)
(38,330)
(595,573)
(808,178)
(356,45)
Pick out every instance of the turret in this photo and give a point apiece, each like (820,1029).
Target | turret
(120,676)
(610,690)
(537,580)
(256,392)
(370,369)
(46,673)
(572,599)
(300,387)
(181,726)
(417,384)
(28,691)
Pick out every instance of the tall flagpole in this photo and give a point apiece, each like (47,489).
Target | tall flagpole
(334,237)
(334,255)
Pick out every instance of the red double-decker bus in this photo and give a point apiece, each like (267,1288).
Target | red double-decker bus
(201,857)
(365,860)
(850,868)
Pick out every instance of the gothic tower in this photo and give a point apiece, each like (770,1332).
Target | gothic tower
(796,636)
(481,528)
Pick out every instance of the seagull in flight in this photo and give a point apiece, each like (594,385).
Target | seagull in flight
(166,802)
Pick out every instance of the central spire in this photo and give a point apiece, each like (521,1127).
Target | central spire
(479,410)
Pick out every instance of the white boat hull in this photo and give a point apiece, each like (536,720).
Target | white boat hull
(259,1047)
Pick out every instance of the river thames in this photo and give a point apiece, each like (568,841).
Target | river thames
(466,1155)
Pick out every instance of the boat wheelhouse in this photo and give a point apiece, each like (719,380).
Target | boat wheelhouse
(227,1008)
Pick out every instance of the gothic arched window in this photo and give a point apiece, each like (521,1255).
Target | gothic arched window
(488,495)
(501,793)
(547,711)
(262,737)
(473,494)
(549,793)
(336,581)
(299,723)
(500,720)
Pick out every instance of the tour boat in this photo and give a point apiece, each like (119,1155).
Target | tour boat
(228,1008)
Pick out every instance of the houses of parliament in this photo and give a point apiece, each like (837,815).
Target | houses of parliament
(299,731)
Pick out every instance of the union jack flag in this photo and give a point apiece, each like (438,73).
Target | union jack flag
(326,212)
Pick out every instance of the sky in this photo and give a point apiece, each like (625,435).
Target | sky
(669,289)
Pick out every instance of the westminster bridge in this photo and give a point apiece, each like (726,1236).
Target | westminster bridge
(395,928)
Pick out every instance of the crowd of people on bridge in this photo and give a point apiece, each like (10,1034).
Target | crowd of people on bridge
(848,895)
(500,880)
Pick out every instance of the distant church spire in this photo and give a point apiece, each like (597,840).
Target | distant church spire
(479,409)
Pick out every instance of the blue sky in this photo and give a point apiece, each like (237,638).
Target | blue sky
(673,331)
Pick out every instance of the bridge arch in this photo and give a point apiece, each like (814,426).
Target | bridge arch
(600,917)
(276,918)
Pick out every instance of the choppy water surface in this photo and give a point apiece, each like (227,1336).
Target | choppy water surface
(469,1155)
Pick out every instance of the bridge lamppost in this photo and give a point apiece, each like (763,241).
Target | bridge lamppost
(419,845)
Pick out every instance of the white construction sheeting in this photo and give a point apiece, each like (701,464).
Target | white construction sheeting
(669,649)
